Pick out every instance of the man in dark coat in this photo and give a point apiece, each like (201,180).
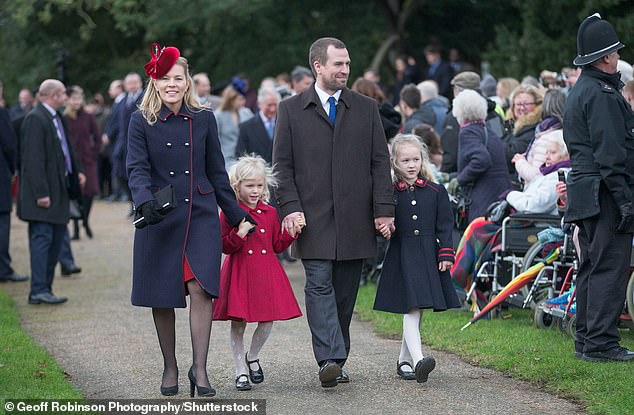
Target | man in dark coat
(8,146)
(49,177)
(256,134)
(334,172)
(599,132)
(438,70)
(411,109)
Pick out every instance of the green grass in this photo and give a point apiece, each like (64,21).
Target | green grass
(27,371)
(514,346)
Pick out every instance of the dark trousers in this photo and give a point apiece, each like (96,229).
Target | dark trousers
(602,278)
(5,236)
(65,256)
(331,292)
(45,242)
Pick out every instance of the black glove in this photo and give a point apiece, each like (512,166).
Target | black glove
(627,218)
(149,212)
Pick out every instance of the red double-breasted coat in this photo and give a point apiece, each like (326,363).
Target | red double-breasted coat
(253,284)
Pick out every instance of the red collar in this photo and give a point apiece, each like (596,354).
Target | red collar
(263,207)
(402,185)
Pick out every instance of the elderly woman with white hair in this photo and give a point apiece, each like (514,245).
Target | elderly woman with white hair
(482,172)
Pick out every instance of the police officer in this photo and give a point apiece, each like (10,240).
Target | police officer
(599,132)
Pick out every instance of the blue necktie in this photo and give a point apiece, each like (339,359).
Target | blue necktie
(63,142)
(270,128)
(332,114)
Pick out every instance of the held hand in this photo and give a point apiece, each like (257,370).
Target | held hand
(294,221)
(244,228)
(444,265)
(384,225)
(44,202)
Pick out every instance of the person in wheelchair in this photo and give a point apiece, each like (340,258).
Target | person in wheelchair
(539,196)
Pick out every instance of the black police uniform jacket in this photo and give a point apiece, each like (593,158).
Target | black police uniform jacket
(182,150)
(599,133)
(410,277)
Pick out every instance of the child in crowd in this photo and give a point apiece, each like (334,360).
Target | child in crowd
(253,284)
(416,269)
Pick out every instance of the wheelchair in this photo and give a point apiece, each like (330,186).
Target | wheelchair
(562,313)
(515,249)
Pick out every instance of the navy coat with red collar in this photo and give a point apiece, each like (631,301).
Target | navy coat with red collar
(182,150)
(410,277)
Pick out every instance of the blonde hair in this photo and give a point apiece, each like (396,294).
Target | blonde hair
(250,167)
(151,104)
(426,168)
(524,89)
(229,96)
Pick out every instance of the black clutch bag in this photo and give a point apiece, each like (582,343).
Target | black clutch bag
(165,202)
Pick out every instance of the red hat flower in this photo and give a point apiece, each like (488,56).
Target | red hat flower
(163,59)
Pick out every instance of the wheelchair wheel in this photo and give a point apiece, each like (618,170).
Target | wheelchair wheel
(630,296)
(568,325)
(542,319)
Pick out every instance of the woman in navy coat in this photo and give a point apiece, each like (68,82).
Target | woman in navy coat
(482,168)
(173,141)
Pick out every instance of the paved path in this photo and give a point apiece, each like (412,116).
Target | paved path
(109,348)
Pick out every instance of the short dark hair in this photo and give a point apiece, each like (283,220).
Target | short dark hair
(411,96)
(318,51)
(299,73)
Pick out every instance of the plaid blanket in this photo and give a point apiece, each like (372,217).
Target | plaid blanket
(475,247)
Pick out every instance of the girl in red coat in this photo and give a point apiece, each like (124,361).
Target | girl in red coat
(253,284)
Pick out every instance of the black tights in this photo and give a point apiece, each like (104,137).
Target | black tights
(200,314)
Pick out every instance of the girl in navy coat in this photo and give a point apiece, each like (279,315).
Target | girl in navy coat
(253,284)
(416,269)
(173,141)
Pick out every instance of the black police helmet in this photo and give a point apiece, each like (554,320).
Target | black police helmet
(596,38)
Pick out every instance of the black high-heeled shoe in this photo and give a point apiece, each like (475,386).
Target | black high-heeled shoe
(202,390)
(256,376)
(170,390)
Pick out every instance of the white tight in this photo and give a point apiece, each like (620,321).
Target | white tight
(411,349)
(260,335)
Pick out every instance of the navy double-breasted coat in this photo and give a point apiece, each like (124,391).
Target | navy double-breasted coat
(182,150)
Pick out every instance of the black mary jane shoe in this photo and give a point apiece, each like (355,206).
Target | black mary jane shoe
(242,383)
(409,375)
(424,368)
(256,376)
(194,387)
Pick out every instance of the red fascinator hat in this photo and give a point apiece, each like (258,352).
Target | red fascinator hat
(162,60)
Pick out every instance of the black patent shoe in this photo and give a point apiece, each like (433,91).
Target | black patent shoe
(328,374)
(409,375)
(256,376)
(202,390)
(424,368)
(242,383)
(344,377)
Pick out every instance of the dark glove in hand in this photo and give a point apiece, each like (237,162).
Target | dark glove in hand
(248,218)
(149,212)
(627,218)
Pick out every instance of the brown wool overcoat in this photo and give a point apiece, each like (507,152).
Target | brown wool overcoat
(339,178)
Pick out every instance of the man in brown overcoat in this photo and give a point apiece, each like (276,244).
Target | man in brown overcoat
(333,164)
